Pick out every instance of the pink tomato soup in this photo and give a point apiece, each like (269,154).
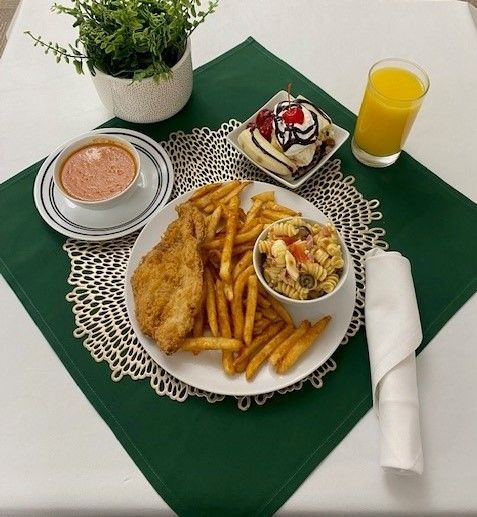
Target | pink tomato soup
(98,171)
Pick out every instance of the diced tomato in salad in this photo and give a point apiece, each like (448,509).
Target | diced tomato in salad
(296,247)
(298,250)
(286,239)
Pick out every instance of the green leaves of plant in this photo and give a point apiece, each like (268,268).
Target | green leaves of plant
(60,53)
(78,66)
(129,38)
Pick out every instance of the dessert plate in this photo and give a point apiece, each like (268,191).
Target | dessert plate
(151,193)
(204,371)
(341,135)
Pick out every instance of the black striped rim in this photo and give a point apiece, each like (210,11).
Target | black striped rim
(110,228)
(138,220)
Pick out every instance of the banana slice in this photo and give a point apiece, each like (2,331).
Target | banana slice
(261,151)
(305,156)
(275,142)
(301,157)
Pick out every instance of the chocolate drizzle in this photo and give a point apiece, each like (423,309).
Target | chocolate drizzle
(291,134)
(255,142)
(304,102)
(319,154)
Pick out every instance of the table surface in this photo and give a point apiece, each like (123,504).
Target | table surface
(56,454)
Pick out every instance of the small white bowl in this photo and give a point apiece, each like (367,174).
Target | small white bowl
(257,264)
(83,141)
(341,135)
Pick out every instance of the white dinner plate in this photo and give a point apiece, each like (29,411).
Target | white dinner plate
(152,192)
(204,371)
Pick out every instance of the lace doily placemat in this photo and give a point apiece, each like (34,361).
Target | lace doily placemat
(200,157)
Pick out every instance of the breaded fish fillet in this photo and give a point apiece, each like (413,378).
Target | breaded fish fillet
(167,284)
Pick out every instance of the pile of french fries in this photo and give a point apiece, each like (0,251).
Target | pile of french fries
(245,322)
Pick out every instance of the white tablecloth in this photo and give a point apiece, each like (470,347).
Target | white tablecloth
(56,454)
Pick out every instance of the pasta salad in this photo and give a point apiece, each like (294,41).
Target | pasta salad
(302,260)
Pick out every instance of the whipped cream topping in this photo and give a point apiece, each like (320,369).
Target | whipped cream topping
(294,138)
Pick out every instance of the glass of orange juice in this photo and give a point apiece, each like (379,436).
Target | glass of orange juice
(393,96)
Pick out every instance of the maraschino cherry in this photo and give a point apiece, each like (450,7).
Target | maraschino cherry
(293,115)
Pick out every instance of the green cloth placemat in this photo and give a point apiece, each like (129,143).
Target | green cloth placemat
(213,459)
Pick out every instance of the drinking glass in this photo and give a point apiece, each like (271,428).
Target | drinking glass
(392,99)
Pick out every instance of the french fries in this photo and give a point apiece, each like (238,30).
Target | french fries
(215,195)
(247,352)
(244,262)
(270,205)
(237,310)
(238,250)
(197,344)
(227,198)
(213,222)
(247,324)
(262,301)
(286,345)
(264,353)
(260,326)
(274,215)
(241,238)
(265,196)
(280,309)
(229,291)
(222,311)
(202,191)
(252,213)
(270,314)
(302,345)
(224,326)
(252,293)
(231,230)
(210,303)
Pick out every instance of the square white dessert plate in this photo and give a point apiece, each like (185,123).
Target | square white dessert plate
(341,136)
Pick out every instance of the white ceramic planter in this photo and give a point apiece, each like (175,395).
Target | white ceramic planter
(147,101)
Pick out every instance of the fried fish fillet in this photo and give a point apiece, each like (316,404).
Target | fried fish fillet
(168,283)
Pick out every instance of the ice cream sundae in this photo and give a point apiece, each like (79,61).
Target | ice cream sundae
(289,139)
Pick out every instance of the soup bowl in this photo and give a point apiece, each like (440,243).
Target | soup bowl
(82,142)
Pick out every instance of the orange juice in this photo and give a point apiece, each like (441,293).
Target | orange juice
(391,101)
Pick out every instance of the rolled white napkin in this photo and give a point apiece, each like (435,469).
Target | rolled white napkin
(393,331)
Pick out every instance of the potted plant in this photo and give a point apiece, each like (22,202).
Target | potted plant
(138,52)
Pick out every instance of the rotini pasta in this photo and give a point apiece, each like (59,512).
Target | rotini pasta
(316,228)
(296,221)
(298,293)
(287,229)
(333,249)
(329,284)
(303,260)
(335,262)
(265,246)
(321,256)
(319,272)
(321,242)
